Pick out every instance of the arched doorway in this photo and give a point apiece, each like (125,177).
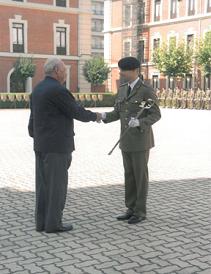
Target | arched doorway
(8,79)
(14,84)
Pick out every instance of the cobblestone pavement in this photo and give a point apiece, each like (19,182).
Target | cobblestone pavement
(176,237)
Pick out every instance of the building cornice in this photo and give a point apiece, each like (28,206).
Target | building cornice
(38,56)
(95,16)
(45,7)
(113,30)
(179,20)
(165,22)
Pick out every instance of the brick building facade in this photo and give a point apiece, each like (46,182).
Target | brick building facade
(40,29)
(163,19)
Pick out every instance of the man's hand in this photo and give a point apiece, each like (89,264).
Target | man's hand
(103,115)
(99,117)
(134,122)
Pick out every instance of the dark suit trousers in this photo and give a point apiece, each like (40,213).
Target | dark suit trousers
(136,181)
(51,189)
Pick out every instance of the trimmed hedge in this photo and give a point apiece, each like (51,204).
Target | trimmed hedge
(14,100)
(95,99)
(21,100)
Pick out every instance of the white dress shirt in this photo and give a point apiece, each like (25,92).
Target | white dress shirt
(132,85)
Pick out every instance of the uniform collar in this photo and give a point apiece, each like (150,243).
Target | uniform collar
(132,85)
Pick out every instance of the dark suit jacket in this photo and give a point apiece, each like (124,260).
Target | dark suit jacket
(51,124)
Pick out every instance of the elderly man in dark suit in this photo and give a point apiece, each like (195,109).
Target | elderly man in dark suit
(51,124)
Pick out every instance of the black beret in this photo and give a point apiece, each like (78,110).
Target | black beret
(129,63)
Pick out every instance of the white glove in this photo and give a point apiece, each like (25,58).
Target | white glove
(103,115)
(134,122)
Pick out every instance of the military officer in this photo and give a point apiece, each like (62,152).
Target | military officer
(207,100)
(191,99)
(169,98)
(174,99)
(138,141)
(184,95)
(163,98)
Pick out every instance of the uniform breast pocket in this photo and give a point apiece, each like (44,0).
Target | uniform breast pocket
(135,106)
(119,104)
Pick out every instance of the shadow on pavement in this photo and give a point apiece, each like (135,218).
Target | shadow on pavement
(176,234)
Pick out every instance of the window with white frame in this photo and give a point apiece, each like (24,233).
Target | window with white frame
(97,25)
(156,43)
(171,83)
(157,10)
(155,81)
(127,16)
(190,40)
(61,41)
(18,37)
(207,82)
(97,42)
(191,7)
(173,9)
(61,3)
(97,8)
(188,81)
(18,34)
(208,5)
(127,48)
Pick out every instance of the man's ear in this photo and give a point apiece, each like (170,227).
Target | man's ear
(138,71)
(56,69)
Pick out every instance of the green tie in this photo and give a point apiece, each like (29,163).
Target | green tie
(129,90)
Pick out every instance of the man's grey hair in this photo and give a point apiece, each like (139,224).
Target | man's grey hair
(51,64)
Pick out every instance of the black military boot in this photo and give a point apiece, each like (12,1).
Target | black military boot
(126,216)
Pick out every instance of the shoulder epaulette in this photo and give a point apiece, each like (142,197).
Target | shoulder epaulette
(144,84)
(123,84)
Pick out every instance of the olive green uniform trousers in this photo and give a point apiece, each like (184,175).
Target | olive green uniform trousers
(136,181)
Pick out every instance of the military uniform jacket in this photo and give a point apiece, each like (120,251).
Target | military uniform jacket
(139,138)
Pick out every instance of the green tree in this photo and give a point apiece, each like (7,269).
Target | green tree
(96,71)
(174,60)
(203,55)
(23,68)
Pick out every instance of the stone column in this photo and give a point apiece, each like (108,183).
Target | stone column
(84,42)
(107,37)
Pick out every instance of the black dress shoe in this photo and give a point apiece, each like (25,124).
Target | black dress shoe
(125,216)
(135,219)
(63,228)
(40,229)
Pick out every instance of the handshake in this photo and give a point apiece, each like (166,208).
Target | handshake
(100,117)
(134,122)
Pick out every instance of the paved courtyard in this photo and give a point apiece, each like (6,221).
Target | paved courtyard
(176,237)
